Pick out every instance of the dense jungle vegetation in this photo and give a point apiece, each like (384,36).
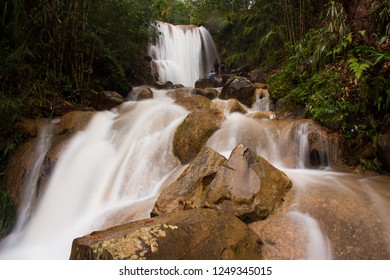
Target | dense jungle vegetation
(332,57)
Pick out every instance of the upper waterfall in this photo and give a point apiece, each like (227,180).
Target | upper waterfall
(182,54)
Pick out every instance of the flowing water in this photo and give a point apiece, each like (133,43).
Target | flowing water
(113,171)
(182,54)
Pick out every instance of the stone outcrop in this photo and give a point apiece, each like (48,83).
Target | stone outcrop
(179,93)
(105,100)
(210,93)
(189,190)
(193,234)
(194,102)
(246,185)
(144,93)
(193,133)
(239,88)
(204,83)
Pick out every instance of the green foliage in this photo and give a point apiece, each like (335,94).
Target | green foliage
(358,67)
(7,213)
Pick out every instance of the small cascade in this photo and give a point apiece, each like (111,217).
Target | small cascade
(263,101)
(32,177)
(104,171)
(112,172)
(182,54)
(318,245)
(240,129)
(309,155)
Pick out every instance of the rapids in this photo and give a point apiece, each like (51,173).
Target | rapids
(113,171)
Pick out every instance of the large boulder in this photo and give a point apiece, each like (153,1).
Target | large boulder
(179,93)
(193,133)
(193,234)
(105,100)
(210,93)
(189,190)
(384,149)
(239,88)
(142,93)
(204,83)
(194,102)
(247,186)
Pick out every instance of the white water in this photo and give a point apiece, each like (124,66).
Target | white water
(182,54)
(113,171)
(120,161)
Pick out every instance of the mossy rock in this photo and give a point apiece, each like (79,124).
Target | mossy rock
(188,235)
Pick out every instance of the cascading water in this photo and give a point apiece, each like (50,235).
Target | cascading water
(103,171)
(112,173)
(182,54)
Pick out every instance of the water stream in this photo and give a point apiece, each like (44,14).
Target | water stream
(113,171)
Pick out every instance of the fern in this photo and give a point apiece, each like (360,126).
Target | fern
(358,67)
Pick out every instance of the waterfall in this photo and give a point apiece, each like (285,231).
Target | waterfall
(105,170)
(113,171)
(182,54)
(32,176)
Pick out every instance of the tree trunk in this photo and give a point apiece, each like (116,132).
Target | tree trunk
(358,19)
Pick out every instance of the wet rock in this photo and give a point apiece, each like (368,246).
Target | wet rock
(105,100)
(193,234)
(193,133)
(73,122)
(210,93)
(23,159)
(239,88)
(16,170)
(188,191)
(288,110)
(204,83)
(247,186)
(31,127)
(179,93)
(167,85)
(145,93)
(194,102)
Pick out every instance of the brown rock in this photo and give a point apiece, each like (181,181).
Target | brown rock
(192,234)
(144,93)
(188,191)
(247,186)
(194,102)
(239,88)
(73,122)
(179,93)
(193,133)
(105,100)
(204,83)
(210,93)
